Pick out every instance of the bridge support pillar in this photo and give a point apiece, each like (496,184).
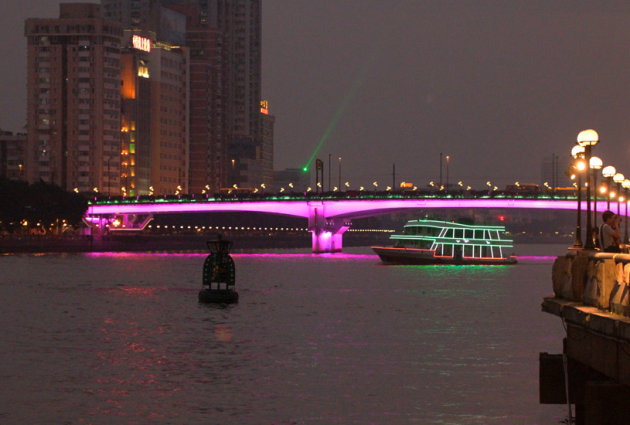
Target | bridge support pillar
(327,233)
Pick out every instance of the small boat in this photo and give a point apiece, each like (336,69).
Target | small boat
(443,242)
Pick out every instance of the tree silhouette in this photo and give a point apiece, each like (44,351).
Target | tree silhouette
(40,203)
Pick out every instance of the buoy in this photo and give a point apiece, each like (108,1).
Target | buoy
(220,296)
(218,274)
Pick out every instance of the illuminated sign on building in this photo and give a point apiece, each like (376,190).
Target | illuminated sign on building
(264,107)
(141,43)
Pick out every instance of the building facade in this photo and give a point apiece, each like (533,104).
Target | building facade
(162,107)
(251,164)
(267,123)
(155,99)
(132,14)
(73,105)
(207,146)
(147,15)
(240,23)
(232,63)
(12,155)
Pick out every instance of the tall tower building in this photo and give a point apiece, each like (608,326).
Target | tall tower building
(237,88)
(12,147)
(132,14)
(240,22)
(208,146)
(146,15)
(267,122)
(73,105)
(154,132)
(224,38)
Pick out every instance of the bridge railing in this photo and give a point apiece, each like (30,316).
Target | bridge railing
(310,196)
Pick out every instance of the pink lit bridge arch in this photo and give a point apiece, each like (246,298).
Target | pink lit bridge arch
(327,219)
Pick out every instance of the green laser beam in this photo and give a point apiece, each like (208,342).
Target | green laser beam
(347,100)
(388,26)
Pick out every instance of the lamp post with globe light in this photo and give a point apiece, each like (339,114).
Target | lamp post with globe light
(579,166)
(596,165)
(619,178)
(608,172)
(588,139)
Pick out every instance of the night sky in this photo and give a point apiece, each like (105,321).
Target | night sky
(495,84)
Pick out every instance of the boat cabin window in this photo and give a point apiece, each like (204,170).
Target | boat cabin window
(424,244)
(428,231)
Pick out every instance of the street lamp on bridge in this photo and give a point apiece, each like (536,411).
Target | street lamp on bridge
(578,166)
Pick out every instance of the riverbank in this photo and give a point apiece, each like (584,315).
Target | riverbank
(143,242)
(153,242)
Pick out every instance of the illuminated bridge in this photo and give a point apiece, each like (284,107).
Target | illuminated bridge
(328,216)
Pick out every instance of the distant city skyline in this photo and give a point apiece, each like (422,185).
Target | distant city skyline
(496,85)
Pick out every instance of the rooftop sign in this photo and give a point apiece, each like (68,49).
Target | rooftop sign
(141,43)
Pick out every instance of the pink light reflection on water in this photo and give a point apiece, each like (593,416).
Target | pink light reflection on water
(277,255)
(332,256)
(541,258)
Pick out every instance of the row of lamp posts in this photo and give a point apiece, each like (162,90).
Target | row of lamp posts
(582,154)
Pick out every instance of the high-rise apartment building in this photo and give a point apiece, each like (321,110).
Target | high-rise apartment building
(154,132)
(147,15)
(232,61)
(132,14)
(240,24)
(208,147)
(224,39)
(251,164)
(12,155)
(267,122)
(73,105)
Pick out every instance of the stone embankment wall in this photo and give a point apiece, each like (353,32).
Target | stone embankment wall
(591,296)
(594,279)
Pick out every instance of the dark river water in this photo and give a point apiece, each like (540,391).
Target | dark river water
(120,338)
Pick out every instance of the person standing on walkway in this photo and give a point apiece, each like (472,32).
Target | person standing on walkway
(609,236)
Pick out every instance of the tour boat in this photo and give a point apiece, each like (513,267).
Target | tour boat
(444,242)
